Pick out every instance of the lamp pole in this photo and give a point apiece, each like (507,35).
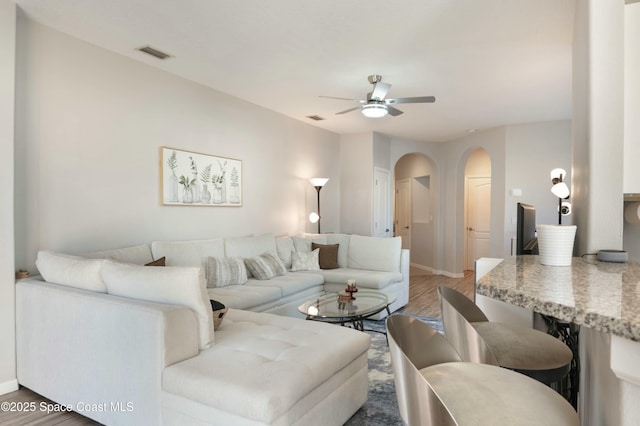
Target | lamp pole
(318,183)
(559,211)
(559,189)
(318,188)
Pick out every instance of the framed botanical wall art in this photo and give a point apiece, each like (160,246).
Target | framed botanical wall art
(195,179)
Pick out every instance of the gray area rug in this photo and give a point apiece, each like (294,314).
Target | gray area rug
(381,408)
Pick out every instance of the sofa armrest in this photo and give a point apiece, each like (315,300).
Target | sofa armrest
(80,348)
(405,261)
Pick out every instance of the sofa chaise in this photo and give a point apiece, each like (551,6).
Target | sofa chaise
(116,342)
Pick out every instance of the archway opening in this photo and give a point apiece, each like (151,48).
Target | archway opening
(416,207)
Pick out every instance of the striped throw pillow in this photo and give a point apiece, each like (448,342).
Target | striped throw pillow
(224,271)
(266,266)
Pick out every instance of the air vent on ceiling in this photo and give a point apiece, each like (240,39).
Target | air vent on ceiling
(315,117)
(154,52)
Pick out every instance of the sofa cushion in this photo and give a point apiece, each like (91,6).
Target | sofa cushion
(285,247)
(364,279)
(264,364)
(328,256)
(375,254)
(176,286)
(246,296)
(138,255)
(224,271)
(305,261)
(304,244)
(266,266)
(72,271)
(249,246)
(343,250)
(187,253)
(290,283)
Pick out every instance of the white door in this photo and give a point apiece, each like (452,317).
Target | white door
(478,219)
(403,212)
(381,203)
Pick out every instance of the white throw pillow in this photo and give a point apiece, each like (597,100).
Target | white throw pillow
(305,261)
(72,271)
(224,271)
(172,285)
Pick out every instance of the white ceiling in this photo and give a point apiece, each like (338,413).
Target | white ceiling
(487,62)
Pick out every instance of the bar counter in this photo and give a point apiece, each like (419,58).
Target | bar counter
(603,296)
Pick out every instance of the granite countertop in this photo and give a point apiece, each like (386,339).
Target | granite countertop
(600,295)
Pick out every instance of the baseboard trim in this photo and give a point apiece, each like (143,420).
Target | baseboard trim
(437,271)
(450,274)
(10,386)
(422,267)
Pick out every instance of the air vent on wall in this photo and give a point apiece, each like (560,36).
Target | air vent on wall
(315,117)
(154,52)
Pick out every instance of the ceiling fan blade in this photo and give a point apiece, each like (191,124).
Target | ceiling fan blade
(348,110)
(342,99)
(393,111)
(414,100)
(380,91)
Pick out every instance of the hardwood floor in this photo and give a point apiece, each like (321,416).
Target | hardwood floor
(423,291)
(423,300)
(26,408)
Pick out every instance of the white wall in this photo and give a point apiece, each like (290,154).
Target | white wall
(89,127)
(478,164)
(597,128)
(631,236)
(356,173)
(598,125)
(532,151)
(631,98)
(7,278)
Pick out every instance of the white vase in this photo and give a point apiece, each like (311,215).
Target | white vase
(555,244)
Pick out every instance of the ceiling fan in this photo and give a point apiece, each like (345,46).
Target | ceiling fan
(376,105)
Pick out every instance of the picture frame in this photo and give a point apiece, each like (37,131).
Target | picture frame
(190,178)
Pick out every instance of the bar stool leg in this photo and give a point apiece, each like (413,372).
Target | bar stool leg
(569,333)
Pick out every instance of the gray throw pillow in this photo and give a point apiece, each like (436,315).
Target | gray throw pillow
(224,271)
(266,266)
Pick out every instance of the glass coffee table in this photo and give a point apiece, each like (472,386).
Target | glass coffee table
(327,308)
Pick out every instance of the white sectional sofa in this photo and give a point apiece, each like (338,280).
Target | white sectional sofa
(92,340)
(375,263)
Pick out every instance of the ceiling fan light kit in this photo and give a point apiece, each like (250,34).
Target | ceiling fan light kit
(376,106)
(374,110)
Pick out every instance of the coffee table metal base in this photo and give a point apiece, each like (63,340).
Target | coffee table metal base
(331,308)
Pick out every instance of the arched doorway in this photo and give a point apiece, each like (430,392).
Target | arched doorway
(477,207)
(416,206)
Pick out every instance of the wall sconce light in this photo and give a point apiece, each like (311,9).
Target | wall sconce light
(561,190)
(317,183)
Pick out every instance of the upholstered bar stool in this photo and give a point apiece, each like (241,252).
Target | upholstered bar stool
(434,387)
(476,339)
